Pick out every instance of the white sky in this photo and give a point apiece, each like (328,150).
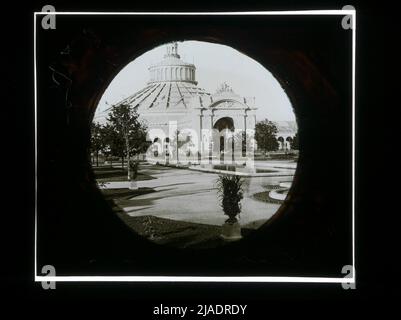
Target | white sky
(215,64)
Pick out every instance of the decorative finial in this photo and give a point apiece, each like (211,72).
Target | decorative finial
(224,87)
(172,50)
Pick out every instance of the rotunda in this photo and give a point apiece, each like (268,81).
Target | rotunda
(174,108)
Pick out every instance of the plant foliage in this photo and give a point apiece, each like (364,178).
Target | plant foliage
(230,193)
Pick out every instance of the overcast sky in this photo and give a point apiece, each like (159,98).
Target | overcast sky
(215,64)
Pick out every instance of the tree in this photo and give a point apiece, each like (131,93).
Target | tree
(265,135)
(97,140)
(127,135)
(295,142)
(113,145)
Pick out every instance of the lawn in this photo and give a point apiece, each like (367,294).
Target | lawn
(174,233)
(108,174)
(264,196)
(124,193)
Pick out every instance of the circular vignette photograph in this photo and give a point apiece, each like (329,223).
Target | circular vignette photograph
(194,145)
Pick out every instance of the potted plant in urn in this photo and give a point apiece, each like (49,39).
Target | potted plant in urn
(133,173)
(230,193)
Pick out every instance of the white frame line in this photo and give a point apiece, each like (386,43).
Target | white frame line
(240,279)
(36,144)
(192,279)
(230,13)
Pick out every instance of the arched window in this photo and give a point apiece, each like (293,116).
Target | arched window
(280,141)
(288,142)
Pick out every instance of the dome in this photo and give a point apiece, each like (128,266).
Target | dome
(286,126)
(172,68)
(172,87)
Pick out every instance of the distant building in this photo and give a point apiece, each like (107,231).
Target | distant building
(286,131)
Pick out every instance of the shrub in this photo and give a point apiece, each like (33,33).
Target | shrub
(230,194)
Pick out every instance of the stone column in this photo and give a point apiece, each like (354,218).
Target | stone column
(200,145)
(243,153)
(211,137)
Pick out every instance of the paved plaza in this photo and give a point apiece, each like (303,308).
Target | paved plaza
(191,196)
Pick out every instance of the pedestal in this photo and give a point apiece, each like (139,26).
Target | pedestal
(231,231)
(133,185)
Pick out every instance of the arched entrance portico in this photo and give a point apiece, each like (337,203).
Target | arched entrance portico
(225,128)
(224,123)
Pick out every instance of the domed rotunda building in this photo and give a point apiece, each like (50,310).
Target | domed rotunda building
(181,116)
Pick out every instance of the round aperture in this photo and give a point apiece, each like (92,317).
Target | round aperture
(194,145)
